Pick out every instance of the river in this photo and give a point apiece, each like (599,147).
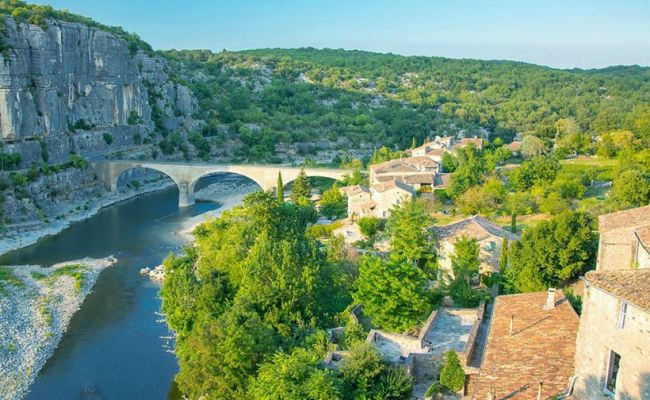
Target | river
(114,347)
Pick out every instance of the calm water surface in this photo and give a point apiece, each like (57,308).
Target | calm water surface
(113,347)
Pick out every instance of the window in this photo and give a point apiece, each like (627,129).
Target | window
(612,371)
(621,315)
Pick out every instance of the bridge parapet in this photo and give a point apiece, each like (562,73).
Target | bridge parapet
(186,175)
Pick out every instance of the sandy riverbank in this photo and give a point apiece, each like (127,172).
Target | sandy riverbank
(75,213)
(35,314)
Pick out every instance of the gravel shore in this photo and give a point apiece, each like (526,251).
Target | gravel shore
(23,239)
(34,316)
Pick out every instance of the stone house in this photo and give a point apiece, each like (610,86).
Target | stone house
(389,194)
(488,235)
(624,239)
(613,344)
(437,147)
(530,348)
(404,168)
(358,200)
(478,143)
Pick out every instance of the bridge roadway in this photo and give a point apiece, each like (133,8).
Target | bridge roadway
(185,175)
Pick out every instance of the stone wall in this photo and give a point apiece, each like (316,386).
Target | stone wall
(598,335)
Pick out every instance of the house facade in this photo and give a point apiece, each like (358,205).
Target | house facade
(624,239)
(488,235)
(388,195)
(613,344)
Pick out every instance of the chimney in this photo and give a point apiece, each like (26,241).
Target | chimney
(550,299)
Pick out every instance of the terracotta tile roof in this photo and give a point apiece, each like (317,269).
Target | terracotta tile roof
(394,184)
(435,152)
(514,146)
(632,285)
(540,349)
(419,178)
(474,227)
(354,189)
(478,142)
(623,219)
(408,164)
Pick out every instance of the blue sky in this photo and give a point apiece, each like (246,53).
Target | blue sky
(564,34)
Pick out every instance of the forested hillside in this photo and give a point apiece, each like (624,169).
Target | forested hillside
(309,94)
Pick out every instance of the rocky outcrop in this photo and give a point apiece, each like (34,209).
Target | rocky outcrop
(63,87)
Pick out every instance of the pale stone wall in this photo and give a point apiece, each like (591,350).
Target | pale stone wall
(356,202)
(598,335)
(388,199)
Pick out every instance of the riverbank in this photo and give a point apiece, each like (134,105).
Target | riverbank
(226,193)
(36,305)
(75,213)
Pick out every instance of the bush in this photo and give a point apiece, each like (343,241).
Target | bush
(452,374)
(108,139)
(370,226)
(133,118)
(395,383)
(434,389)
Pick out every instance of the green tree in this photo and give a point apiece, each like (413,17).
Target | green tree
(393,293)
(409,235)
(370,226)
(301,189)
(449,162)
(465,265)
(503,257)
(452,374)
(280,188)
(333,204)
(630,189)
(532,146)
(295,376)
(551,252)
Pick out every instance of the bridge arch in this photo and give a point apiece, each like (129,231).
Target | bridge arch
(214,173)
(116,181)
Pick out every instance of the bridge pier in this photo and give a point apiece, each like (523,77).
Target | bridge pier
(185,194)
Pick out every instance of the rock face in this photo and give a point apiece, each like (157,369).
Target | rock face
(68,88)
(62,88)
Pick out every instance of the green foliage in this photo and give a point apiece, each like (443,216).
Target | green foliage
(409,235)
(333,204)
(452,374)
(393,293)
(7,277)
(75,271)
(254,284)
(133,118)
(630,189)
(301,189)
(552,252)
(370,226)
(465,264)
(486,199)
(470,171)
(76,161)
(537,170)
(295,376)
(385,154)
(449,162)
(394,384)
(108,138)
(280,188)
(10,161)
(201,144)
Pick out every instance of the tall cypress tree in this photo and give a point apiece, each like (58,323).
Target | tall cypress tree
(280,188)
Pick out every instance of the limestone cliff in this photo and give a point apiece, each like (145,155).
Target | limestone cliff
(66,85)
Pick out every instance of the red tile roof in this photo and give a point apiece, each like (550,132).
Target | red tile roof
(541,348)
(623,219)
(632,285)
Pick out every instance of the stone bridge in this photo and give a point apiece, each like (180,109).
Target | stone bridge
(185,175)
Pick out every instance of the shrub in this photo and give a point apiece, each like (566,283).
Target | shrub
(108,139)
(452,374)
(395,383)
(133,118)
(370,226)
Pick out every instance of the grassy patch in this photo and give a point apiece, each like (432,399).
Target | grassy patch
(37,275)
(74,270)
(323,230)
(7,277)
